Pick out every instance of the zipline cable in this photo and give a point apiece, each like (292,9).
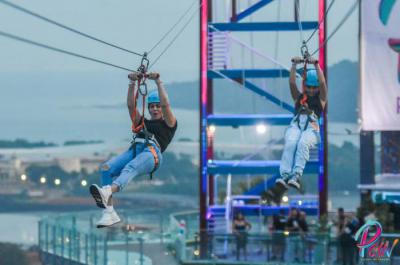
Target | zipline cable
(322,20)
(173,26)
(34,43)
(344,19)
(176,36)
(26,11)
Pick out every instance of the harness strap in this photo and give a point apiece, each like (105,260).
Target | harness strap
(153,152)
(297,120)
(156,161)
(304,98)
(140,126)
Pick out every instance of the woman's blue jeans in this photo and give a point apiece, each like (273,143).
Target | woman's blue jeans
(120,170)
(298,141)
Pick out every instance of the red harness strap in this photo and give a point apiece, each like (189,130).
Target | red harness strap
(303,100)
(156,161)
(140,126)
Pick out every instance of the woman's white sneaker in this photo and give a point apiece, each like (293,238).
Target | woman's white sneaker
(109,218)
(100,195)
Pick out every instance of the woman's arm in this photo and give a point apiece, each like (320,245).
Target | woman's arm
(292,79)
(130,98)
(323,88)
(165,107)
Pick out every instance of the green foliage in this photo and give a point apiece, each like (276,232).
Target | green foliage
(11,254)
(179,173)
(22,143)
(82,142)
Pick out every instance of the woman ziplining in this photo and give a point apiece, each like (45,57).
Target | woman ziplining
(303,131)
(150,139)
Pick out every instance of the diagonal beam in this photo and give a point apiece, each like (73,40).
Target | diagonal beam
(258,90)
(251,10)
(268,96)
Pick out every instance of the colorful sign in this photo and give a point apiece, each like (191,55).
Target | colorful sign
(380,65)
(371,244)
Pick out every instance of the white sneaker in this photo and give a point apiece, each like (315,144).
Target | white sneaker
(109,218)
(100,195)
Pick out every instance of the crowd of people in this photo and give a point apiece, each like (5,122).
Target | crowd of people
(292,240)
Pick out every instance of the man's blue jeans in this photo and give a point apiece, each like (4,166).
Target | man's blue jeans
(120,170)
(298,142)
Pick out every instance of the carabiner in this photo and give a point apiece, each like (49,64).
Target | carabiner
(143,92)
(304,51)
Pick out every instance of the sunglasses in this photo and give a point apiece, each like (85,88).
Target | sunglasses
(153,105)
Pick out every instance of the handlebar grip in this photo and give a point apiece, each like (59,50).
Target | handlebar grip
(155,75)
(302,61)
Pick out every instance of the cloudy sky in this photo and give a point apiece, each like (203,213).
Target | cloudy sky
(137,25)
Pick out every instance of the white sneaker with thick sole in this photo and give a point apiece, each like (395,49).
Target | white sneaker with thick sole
(100,195)
(109,218)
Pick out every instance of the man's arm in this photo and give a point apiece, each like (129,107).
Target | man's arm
(292,79)
(130,98)
(164,102)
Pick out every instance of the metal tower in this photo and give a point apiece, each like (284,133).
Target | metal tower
(214,64)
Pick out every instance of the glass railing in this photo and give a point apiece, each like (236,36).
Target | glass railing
(67,238)
(255,248)
(73,238)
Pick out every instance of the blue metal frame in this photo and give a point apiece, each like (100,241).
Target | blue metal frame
(266,210)
(252,167)
(248,73)
(240,75)
(268,96)
(263,26)
(252,9)
(249,119)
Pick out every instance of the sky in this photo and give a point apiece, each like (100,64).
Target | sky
(137,25)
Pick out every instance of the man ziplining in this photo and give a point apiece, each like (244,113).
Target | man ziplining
(150,139)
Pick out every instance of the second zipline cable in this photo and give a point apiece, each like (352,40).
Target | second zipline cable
(34,43)
(29,12)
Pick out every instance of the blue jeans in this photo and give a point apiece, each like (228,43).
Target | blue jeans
(298,142)
(124,167)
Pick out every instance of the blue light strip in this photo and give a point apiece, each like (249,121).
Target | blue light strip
(264,26)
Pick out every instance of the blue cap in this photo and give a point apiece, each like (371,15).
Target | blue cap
(153,97)
(312,78)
